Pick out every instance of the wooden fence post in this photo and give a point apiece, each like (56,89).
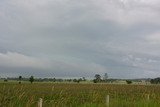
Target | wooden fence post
(107,100)
(148,97)
(40,102)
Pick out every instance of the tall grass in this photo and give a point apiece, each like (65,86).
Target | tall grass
(78,95)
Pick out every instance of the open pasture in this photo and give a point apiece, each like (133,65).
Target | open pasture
(78,95)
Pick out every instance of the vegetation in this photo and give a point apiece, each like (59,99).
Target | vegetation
(78,95)
(155,81)
(20,79)
(97,78)
(31,79)
(105,78)
(78,92)
(128,81)
(5,80)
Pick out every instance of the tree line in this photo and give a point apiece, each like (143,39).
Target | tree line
(97,79)
(155,80)
(32,79)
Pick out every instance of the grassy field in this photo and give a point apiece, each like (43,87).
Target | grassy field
(78,95)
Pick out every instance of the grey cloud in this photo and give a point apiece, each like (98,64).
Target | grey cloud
(81,38)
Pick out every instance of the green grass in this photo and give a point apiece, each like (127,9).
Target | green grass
(78,95)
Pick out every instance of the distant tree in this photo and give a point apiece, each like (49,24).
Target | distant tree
(31,79)
(97,78)
(155,81)
(152,81)
(59,80)
(68,80)
(84,79)
(20,79)
(54,79)
(80,79)
(6,80)
(95,81)
(105,77)
(76,80)
(128,81)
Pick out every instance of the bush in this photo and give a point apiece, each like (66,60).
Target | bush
(155,80)
(128,81)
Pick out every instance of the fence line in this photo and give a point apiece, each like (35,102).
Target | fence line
(40,102)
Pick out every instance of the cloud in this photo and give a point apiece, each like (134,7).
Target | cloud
(13,59)
(128,12)
(72,38)
(52,13)
(154,38)
(68,69)
(18,61)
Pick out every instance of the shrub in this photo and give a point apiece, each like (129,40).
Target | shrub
(128,81)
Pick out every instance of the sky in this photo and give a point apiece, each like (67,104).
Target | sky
(80,38)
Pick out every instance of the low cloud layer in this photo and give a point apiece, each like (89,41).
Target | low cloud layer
(69,38)
(18,60)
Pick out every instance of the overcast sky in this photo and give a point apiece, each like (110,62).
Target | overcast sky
(80,38)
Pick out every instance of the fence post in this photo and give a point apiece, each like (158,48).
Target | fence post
(107,100)
(40,102)
(147,96)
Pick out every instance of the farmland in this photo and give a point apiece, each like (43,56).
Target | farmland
(78,95)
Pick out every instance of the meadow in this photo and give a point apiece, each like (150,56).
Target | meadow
(78,95)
